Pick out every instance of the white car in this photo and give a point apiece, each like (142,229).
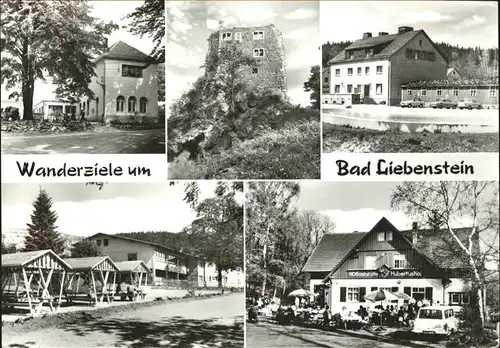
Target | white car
(436,320)
(469,104)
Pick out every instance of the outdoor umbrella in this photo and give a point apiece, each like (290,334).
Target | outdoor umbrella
(402,295)
(301,293)
(381,295)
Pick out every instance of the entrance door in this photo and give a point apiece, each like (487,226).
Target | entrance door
(367,91)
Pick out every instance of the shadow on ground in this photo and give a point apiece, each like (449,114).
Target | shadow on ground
(169,332)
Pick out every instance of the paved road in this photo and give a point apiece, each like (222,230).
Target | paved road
(275,336)
(208,323)
(112,141)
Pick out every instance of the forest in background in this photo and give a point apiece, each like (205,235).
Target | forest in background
(471,62)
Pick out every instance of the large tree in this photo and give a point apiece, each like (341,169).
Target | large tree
(85,248)
(469,204)
(217,232)
(149,20)
(8,249)
(313,85)
(50,38)
(266,205)
(42,231)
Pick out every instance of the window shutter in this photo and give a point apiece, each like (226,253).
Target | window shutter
(373,288)
(394,289)
(428,293)
(342,294)
(407,290)
(362,293)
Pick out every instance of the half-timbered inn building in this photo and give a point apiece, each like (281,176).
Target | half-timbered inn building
(423,264)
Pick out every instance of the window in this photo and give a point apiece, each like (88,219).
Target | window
(350,55)
(258,52)
(226,36)
(352,294)
(420,42)
(131,71)
(399,261)
(359,71)
(384,236)
(418,293)
(106,242)
(237,37)
(98,241)
(132,104)
(459,298)
(143,105)
(258,35)
(493,92)
(132,257)
(439,92)
(378,88)
(455,91)
(256,71)
(349,88)
(349,71)
(326,79)
(370,262)
(423,92)
(388,235)
(367,70)
(337,72)
(379,69)
(359,89)
(337,88)
(120,102)
(473,91)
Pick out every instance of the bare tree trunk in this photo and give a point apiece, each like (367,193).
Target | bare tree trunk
(27,83)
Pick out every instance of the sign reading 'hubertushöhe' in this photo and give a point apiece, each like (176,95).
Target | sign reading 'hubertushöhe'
(385,272)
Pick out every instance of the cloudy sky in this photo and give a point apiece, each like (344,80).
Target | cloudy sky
(463,23)
(108,11)
(190,23)
(85,210)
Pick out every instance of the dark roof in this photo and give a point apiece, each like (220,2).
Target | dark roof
(330,250)
(122,51)
(89,263)
(175,252)
(333,248)
(453,83)
(132,266)
(393,43)
(22,259)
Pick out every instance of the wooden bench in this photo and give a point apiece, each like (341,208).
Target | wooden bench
(11,300)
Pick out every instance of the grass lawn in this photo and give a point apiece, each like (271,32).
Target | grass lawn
(346,139)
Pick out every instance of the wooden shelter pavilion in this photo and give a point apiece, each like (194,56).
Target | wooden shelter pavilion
(88,269)
(27,279)
(136,273)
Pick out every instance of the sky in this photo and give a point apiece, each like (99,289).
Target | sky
(108,11)
(463,23)
(85,210)
(190,23)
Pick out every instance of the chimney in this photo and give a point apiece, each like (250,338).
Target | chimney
(414,233)
(367,35)
(382,33)
(402,30)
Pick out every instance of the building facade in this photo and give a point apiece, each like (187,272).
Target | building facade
(208,276)
(264,44)
(346,266)
(374,68)
(56,110)
(484,91)
(453,74)
(125,88)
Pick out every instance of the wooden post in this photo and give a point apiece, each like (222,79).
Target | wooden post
(104,285)
(45,291)
(93,286)
(16,282)
(113,289)
(77,282)
(177,261)
(61,290)
(28,289)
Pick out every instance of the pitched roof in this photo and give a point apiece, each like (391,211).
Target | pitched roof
(88,263)
(25,258)
(131,266)
(330,250)
(485,82)
(393,43)
(175,252)
(123,51)
(334,248)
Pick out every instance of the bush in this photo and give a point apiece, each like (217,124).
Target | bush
(472,338)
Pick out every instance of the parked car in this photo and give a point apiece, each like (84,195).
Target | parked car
(436,320)
(444,103)
(469,104)
(415,103)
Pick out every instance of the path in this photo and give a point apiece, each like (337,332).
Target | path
(111,141)
(205,323)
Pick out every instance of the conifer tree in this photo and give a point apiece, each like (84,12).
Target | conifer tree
(42,231)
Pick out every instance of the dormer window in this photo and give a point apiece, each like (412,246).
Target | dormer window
(258,35)
(226,36)
(384,236)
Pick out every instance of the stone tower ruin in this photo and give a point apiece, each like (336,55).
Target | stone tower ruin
(264,43)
